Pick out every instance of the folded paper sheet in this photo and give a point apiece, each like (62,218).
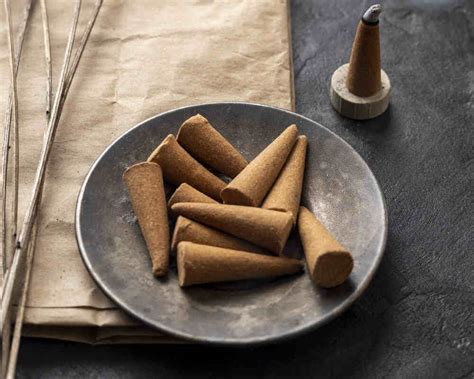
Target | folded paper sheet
(143,58)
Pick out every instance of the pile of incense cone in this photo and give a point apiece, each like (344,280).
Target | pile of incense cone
(235,229)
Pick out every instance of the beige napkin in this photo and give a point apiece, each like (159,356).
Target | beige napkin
(143,58)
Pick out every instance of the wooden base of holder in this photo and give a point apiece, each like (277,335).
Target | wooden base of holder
(357,107)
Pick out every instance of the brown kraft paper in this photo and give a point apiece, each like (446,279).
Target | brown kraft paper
(134,67)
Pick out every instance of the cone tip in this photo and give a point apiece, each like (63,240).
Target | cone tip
(234,196)
(178,206)
(293,127)
(197,119)
(153,156)
(371,15)
(139,164)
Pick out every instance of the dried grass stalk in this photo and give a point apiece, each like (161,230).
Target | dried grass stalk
(11,119)
(10,116)
(28,230)
(47,56)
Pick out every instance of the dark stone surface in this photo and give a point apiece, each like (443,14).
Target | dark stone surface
(416,319)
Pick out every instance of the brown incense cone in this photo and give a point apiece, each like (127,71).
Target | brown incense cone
(361,89)
(269,229)
(187,194)
(363,77)
(191,231)
(254,182)
(208,146)
(145,186)
(180,167)
(199,264)
(285,194)
(329,263)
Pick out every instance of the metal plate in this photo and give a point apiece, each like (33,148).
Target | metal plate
(339,187)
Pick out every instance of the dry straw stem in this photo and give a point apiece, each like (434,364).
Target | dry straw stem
(199,264)
(47,56)
(11,114)
(8,123)
(66,77)
(18,327)
(15,345)
(67,72)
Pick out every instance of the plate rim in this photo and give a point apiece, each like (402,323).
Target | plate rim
(232,341)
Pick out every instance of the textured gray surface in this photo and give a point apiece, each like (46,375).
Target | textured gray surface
(416,319)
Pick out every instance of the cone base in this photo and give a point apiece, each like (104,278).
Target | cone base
(357,107)
(332,268)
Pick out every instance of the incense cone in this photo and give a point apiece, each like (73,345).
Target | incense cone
(269,229)
(187,194)
(363,76)
(285,194)
(145,186)
(329,263)
(180,167)
(254,182)
(199,264)
(361,89)
(191,231)
(209,147)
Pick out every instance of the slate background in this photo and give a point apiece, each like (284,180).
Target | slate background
(416,318)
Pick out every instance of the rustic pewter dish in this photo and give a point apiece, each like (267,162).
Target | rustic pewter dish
(339,187)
